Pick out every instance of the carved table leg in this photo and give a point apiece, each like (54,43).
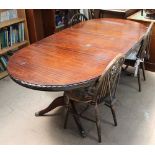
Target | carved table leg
(57,102)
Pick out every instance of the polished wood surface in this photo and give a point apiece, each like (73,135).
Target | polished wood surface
(74,56)
(150,64)
(114,13)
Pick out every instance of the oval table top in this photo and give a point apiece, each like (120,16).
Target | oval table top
(75,56)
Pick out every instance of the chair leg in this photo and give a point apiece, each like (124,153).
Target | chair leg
(98,123)
(143,69)
(139,82)
(77,120)
(66,118)
(126,67)
(113,114)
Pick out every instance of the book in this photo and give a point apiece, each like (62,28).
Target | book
(7,38)
(1,68)
(11,35)
(4,61)
(22,31)
(3,39)
(11,39)
(7,15)
(13,14)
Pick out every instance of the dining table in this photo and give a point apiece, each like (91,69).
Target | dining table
(74,57)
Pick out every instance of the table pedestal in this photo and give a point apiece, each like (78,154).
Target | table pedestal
(60,101)
(56,103)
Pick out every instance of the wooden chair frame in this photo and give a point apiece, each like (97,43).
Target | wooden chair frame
(105,90)
(77,18)
(142,55)
(91,13)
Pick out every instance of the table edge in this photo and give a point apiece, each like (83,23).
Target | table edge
(53,87)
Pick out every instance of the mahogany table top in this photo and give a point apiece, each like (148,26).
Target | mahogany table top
(75,56)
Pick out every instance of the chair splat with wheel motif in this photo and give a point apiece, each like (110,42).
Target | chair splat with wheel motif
(77,18)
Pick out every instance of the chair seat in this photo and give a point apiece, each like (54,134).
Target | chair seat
(82,94)
(85,95)
(132,56)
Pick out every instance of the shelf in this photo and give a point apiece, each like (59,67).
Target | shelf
(60,26)
(3,74)
(14,46)
(11,22)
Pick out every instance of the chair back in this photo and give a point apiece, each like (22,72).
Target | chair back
(101,14)
(77,18)
(91,13)
(145,44)
(106,86)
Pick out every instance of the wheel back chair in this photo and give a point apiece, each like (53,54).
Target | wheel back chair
(138,55)
(91,13)
(77,18)
(103,90)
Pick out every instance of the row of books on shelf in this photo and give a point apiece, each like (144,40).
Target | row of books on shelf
(3,62)
(11,35)
(59,20)
(7,15)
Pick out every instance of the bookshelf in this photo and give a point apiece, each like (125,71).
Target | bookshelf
(11,22)
(60,19)
(13,47)
(63,17)
(42,23)
(3,74)
(14,40)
